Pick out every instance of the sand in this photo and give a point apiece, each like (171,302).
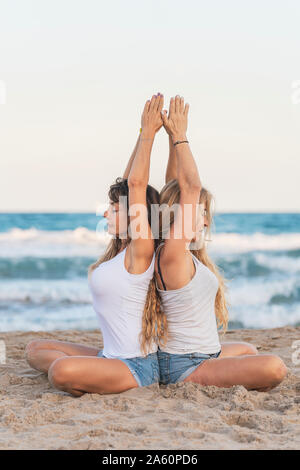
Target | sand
(34,415)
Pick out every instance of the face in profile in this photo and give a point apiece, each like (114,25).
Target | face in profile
(116,216)
(201,224)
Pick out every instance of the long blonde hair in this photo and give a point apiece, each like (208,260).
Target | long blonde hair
(170,194)
(154,325)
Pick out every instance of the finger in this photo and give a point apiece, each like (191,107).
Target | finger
(164,116)
(157,100)
(177,104)
(186,109)
(146,107)
(181,106)
(172,106)
(160,102)
(152,103)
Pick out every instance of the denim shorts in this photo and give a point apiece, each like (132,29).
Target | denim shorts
(176,367)
(145,370)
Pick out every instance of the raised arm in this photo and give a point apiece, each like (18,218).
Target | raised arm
(142,246)
(188,180)
(171,171)
(129,164)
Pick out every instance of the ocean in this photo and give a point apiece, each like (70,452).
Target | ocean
(44,259)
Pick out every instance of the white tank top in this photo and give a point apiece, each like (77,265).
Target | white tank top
(190,312)
(119,298)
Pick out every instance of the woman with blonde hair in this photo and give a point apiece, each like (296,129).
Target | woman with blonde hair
(190,286)
(122,288)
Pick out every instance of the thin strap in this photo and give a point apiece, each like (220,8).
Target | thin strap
(159,270)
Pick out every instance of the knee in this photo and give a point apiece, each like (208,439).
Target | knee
(31,349)
(59,373)
(250,349)
(277,370)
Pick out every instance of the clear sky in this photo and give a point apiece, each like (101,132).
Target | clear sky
(77,75)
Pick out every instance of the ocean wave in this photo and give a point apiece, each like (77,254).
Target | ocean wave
(57,304)
(248,265)
(257,264)
(80,317)
(281,263)
(264,316)
(237,243)
(241,292)
(268,303)
(84,242)
(44,268)
(39,292)
(61,243)
(247,292)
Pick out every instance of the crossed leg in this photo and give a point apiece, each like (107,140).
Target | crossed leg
(41,353)
(255,372)
(75,368)
(80,374)
(237,349)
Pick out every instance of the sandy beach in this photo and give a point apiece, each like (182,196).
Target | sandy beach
(34,415)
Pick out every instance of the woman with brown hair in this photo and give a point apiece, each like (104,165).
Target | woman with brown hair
(122,288)
(190,286)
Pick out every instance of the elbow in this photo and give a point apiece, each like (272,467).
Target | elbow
(136,182)
(197,186)
(191,187)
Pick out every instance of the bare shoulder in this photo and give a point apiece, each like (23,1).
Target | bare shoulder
(176,271)
(173,253)
(137,262)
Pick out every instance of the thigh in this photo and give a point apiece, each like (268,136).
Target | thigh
(91,374)
(71,349)
(237,349)
(250,371)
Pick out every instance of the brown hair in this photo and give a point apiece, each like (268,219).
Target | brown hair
(154,324)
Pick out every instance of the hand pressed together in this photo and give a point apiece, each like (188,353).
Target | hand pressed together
(176,122)
(151,118)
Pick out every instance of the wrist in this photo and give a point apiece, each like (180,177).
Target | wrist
(147,134)
(180,137)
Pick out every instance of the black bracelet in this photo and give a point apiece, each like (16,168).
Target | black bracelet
(181,142)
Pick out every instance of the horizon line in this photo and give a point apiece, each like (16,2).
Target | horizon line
(224,211)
